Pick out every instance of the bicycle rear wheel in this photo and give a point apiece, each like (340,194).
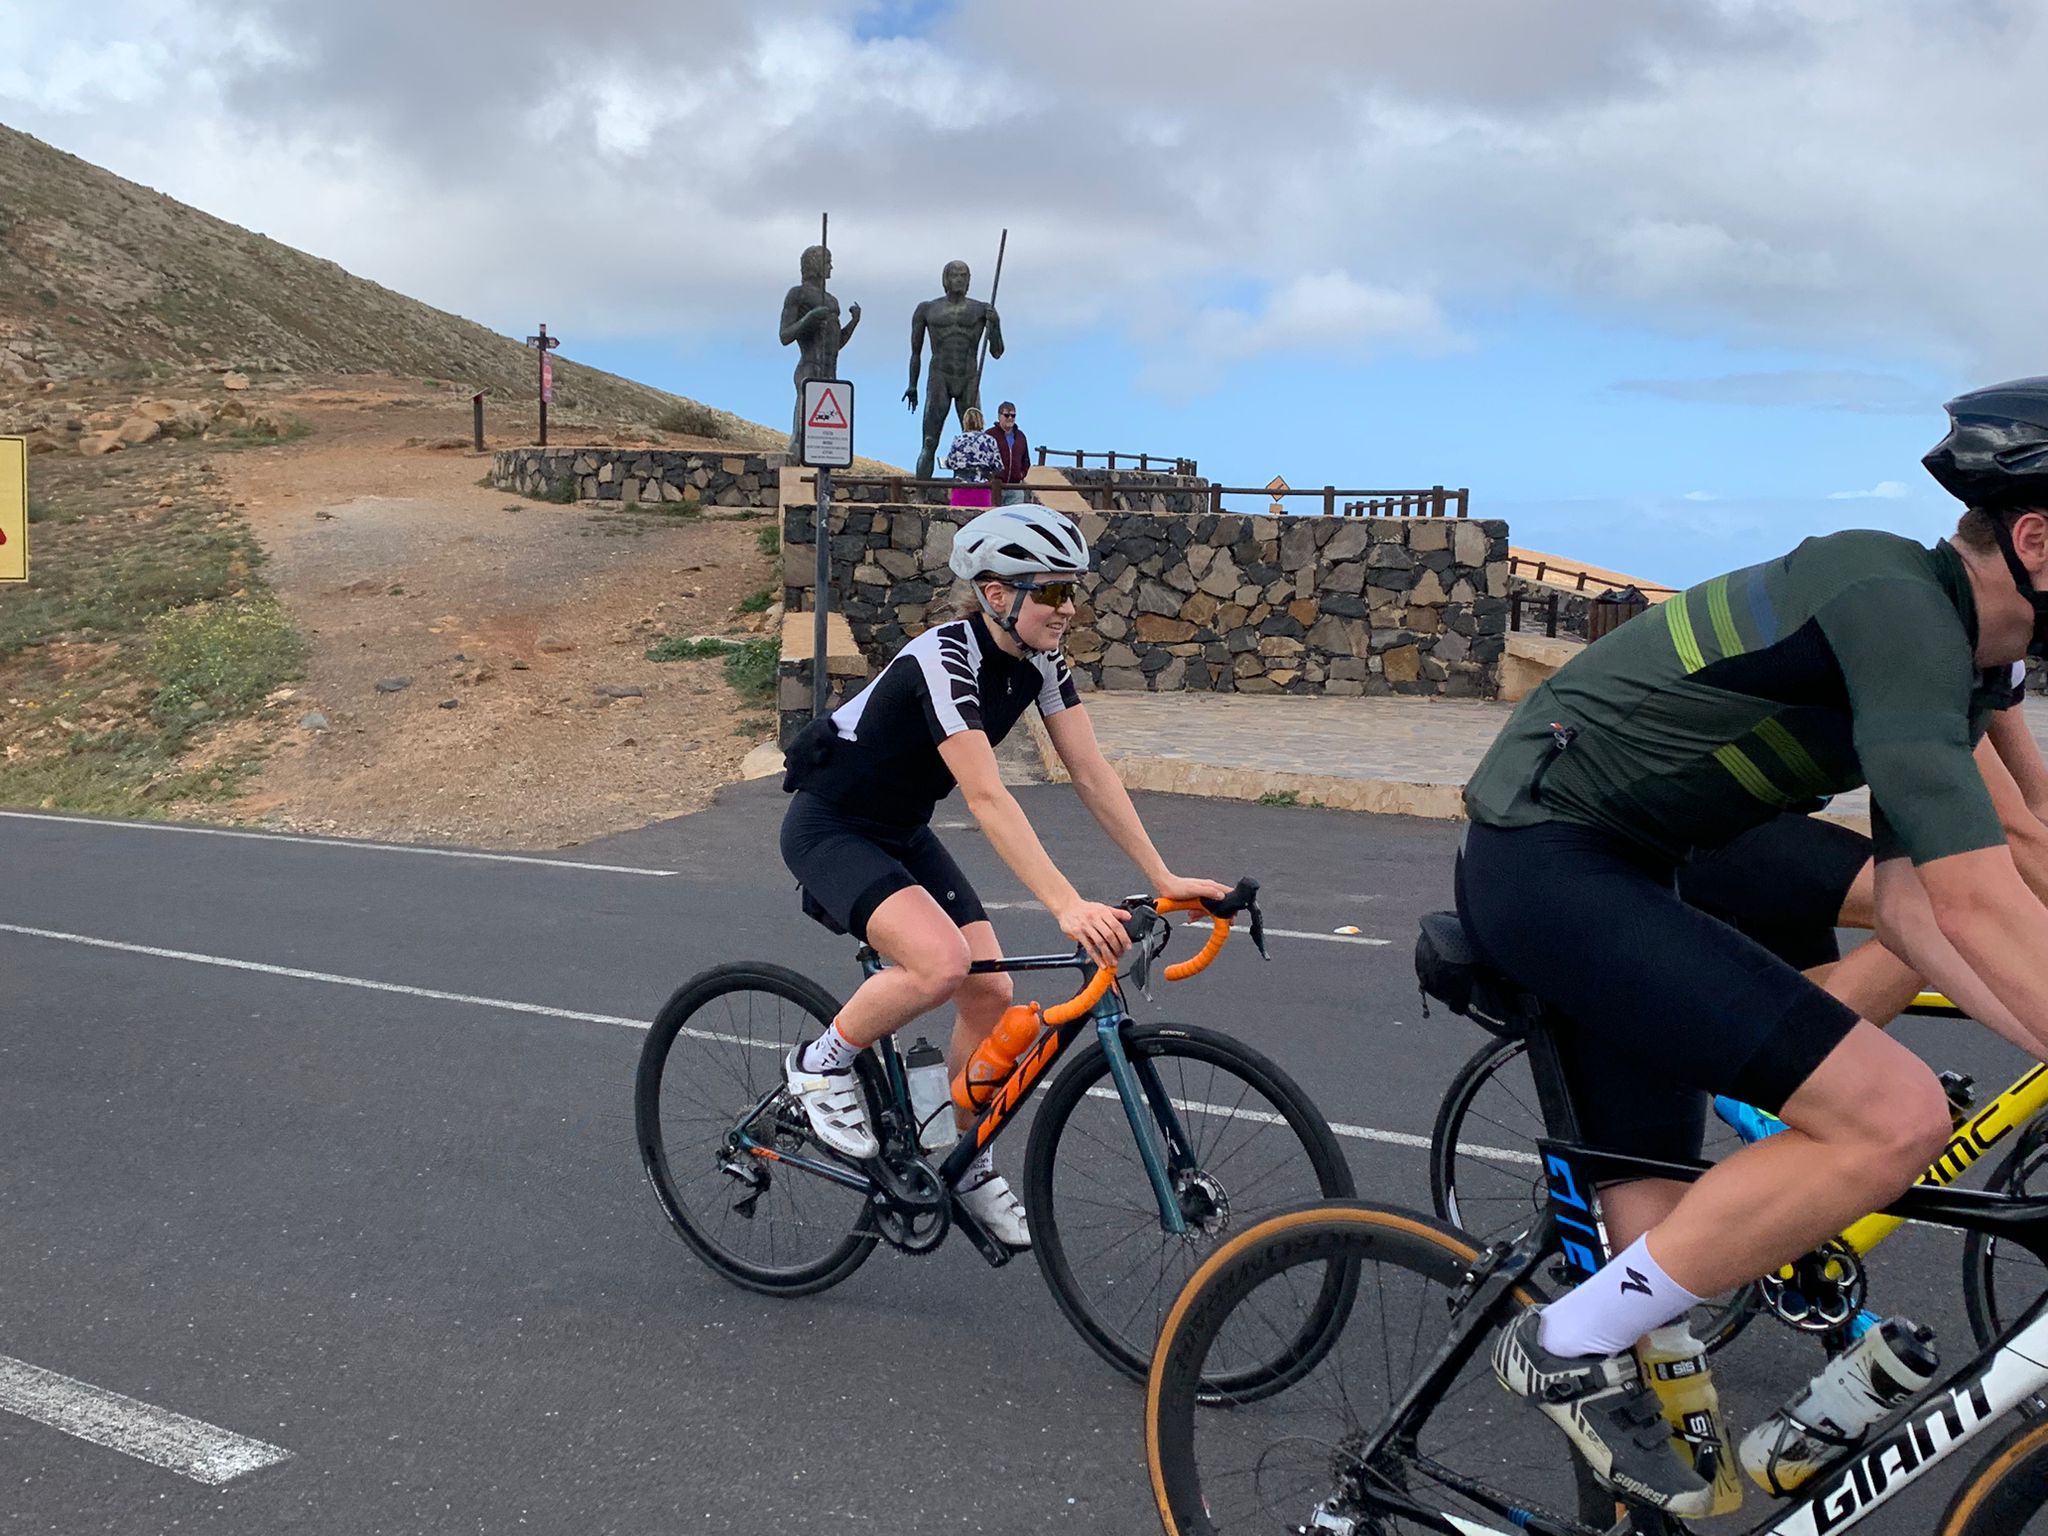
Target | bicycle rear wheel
(1486,1179)
(713,1056)
(1274,1463)
(2007,1494)
(2000,1281)
(1259,1145)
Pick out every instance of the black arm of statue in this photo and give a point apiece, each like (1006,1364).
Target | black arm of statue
(916,353)
(852,322)
(796,320)
(995,332)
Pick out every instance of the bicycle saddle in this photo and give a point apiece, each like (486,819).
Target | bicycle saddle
(1449,969)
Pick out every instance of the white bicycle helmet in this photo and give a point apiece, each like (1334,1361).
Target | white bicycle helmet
(1013,543)
(1025,539)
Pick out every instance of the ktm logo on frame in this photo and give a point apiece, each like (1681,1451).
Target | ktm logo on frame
(13,509)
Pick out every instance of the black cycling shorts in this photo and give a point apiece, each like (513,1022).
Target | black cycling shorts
(849,865)
(1782,883)
(1662,1004)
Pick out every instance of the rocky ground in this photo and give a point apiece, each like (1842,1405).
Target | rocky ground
(476,669)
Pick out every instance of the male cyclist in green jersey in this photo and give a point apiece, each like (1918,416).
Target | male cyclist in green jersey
(1857,658)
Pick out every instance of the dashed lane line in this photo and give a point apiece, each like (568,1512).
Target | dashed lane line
(190,1448)
(508,1005)
(342,843)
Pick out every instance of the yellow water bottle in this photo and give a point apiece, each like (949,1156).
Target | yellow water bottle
(1674,1363)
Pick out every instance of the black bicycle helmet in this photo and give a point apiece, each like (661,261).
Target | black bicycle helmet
(1996,453)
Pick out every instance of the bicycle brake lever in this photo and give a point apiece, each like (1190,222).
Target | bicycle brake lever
(1259,933)
(1152,935)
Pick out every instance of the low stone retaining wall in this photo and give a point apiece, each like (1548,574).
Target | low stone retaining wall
(1133,491)
(638,475)
(1229,603)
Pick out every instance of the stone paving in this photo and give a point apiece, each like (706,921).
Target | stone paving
(1401,756)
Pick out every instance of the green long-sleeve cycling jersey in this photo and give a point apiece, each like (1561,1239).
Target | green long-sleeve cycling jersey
(1848,661)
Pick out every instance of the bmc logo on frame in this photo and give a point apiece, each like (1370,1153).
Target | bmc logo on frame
(1899,1460)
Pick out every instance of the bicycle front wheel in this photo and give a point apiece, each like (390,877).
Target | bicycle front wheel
(1258,1145)
(1279,1462)
(1486,1179)
(2007,1494)
(2001,1280)
(713,1058)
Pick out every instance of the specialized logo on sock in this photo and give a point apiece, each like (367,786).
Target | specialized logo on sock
(1635,1282)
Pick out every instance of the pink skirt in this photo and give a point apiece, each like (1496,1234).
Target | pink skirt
(970,496)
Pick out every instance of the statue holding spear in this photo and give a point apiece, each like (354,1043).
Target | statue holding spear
(957,326)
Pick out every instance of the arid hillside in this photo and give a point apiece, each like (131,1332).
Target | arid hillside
(106,281)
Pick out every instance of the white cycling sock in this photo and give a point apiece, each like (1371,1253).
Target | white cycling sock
(1628,1297)
(830,1052)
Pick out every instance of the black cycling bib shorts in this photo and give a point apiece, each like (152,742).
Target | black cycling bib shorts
(868,778)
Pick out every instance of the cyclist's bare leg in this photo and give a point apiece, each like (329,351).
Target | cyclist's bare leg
(1861,1129)
(927,963)
(1870,979)
(1859,904)
(976,1006)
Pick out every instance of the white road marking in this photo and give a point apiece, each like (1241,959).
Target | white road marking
(1356,1132)
(1321,938)
(295,973)
(434,994)
(337,842)
(1271,933)
(155,1435)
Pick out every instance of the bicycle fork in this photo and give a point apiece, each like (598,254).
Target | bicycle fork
(1152,1116)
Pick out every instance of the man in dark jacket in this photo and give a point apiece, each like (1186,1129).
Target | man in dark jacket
(1016,453)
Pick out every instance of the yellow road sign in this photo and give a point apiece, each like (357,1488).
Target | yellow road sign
(13,509)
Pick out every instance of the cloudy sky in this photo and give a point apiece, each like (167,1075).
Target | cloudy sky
(1668,283)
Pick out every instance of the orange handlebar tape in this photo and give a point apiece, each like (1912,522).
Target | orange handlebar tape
(1087,998)
(1210,951)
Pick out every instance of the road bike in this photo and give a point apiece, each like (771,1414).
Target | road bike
(1486,1178)
(1398,1424)
(1154,1142)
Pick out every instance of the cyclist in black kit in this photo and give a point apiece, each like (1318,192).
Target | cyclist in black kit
(858,838)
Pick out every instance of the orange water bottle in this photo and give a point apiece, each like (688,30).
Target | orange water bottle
(997,1055)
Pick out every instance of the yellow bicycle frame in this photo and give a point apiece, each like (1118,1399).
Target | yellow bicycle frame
(1973,1139)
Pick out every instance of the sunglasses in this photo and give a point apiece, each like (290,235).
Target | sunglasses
(1051,593)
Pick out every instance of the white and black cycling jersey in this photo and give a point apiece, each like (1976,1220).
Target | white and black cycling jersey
(885,762)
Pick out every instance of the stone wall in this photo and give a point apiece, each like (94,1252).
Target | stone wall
(1229,603)
(638,474)
(1135,491)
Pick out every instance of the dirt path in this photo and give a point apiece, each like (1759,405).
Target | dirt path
(510,617)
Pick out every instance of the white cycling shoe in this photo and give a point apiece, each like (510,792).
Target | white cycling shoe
(834,1106)
(1000,1212)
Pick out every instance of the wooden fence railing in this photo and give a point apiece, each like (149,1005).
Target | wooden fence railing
(1577,580)
(1434,502)
(1159,463)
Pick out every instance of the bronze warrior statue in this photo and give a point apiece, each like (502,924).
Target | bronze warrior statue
(810,319)
(955,323)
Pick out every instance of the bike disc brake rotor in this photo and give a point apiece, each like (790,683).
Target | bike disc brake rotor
(1204,1202)
(1820,1292)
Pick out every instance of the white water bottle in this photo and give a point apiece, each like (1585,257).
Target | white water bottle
(931,1095)
(1854,1393)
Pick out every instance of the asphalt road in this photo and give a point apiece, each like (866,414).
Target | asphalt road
(399,1231)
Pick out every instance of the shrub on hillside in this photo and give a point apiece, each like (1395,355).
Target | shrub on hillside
(689,419)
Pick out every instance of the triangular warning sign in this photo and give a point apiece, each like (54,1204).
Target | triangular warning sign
(827,412)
